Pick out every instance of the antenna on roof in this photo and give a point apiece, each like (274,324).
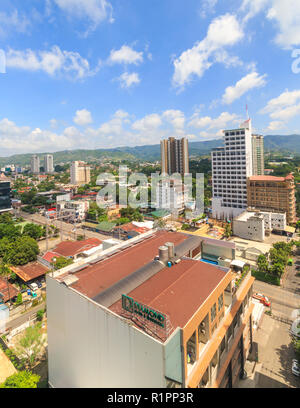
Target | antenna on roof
(247,113)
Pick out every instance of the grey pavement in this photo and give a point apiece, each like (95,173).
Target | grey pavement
(22,318)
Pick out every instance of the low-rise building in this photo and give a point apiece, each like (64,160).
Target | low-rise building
(148,309)
(72,249)
(73,209)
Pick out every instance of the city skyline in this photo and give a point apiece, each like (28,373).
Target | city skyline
(95,70)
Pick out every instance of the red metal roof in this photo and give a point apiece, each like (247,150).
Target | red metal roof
(96,278)
(7,292)
(178,292)
(72,248)
(271,178)
(131,227)
(30,271)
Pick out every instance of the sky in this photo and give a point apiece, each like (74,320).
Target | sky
(86,74)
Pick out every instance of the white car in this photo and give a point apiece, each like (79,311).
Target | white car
(33,286)
(296,368)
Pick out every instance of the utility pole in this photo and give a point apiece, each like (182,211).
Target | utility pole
(47,243)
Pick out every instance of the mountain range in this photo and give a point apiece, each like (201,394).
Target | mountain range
(272,143)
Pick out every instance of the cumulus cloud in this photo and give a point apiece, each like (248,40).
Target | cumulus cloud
(128,80)
(224,31)
(13,22)
(220,122)
(55,62)
(248,82)
(284,107)
(83,117)
(175,117)
(275,125)
(96,11)
(125,55)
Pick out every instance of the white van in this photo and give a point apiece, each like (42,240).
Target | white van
(33,286)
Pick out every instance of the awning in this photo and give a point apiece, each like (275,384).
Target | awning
(290,229)
(238,263)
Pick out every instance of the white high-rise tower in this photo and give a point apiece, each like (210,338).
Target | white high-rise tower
(48,163)
(35,164)
(231,165)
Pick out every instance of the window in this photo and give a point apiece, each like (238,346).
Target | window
(220,302)
(213,312)
(222,346)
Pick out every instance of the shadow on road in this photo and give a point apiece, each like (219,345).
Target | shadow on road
(286,355)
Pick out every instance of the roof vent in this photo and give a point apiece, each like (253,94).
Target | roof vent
(163,254)
(171,252)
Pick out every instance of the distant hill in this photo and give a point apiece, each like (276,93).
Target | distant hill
(284,144)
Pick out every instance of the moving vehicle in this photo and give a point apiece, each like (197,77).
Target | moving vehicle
(262,298)
(296,367)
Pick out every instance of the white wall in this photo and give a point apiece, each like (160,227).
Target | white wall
(90,347)
(253,229)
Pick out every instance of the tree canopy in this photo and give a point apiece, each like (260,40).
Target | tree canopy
(22,379)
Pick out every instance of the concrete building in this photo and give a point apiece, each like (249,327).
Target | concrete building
(171,195)
(231,166)
(73,209)
(5,194)
(80,173)
(275,194)
(254,225)
(174,156)
(146,314)
(35,164)
(48,163)
(258,161)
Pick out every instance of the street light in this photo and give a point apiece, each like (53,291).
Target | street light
(53,262)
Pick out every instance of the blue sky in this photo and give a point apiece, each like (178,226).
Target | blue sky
(108,73)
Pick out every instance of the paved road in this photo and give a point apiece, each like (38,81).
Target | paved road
(18,321)
(67,229)
(273,337)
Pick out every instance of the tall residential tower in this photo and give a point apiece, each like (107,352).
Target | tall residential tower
(80,173)
(48,163)
(35,163)
(231,166)
(258,155)
(174,156)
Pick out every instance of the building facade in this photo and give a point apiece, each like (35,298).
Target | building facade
(151,315)
(35,164)
(272,193)
(171,195)
(5,194)
(231,166)
(80,173)
(48,163)
(174,156)
(258,155)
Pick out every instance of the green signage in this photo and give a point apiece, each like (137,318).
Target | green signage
(135,307)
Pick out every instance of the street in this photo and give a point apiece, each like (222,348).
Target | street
(66,229)
(18,321)
(275,350)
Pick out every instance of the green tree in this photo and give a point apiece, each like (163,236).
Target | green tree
(9,231)
(33,230)
(296,344)
(22,379)
(40,315)
(23,250)
(29,347)
(277,269)
(263,264)
(61,262)
(228,230)
(19,300)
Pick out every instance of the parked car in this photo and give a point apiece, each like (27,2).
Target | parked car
(262,298)
(33,286)
(39,284)
(296,367)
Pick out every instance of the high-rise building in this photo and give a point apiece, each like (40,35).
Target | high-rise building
(35,164)
(80,173)
(48,163)
(231,166)
(273,194)
(5,194)
(150,313)
(258,155)
(174,156)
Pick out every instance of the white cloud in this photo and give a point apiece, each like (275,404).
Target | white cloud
(287,98)
(207,7)
(14,22)
(148,123)
(127,80)
(175,117)
(125,55)
(275,125)
(248,82)
(53,123)
(94,10)
(286,14)
(83,117)
(224,31)
(220,122)
(55,62)
(286,113)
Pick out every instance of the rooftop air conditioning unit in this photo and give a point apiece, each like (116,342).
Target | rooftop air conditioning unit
(202,324)
(202,331)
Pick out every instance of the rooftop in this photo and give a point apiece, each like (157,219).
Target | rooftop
(72,248)
(30,271)
(7,292)
(271,178)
